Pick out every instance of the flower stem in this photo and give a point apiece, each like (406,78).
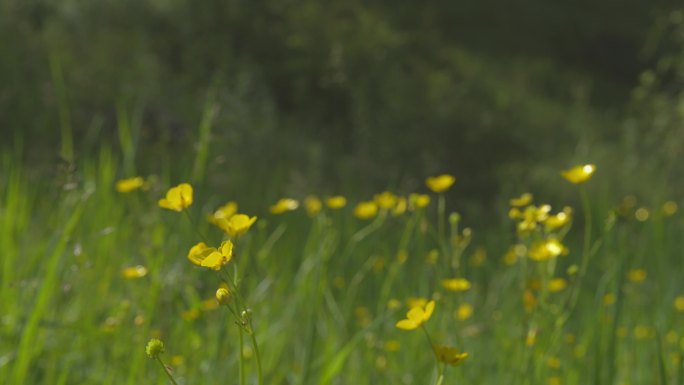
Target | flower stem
(166,370)
(241,371)
(257,355)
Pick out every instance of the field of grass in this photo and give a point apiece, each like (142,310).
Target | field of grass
(590,294)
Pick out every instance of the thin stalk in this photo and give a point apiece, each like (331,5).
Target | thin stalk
(167,371)
(440,369)
(257,355)
(192,224)
(241,371)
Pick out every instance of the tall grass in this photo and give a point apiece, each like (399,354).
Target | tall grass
(325,290)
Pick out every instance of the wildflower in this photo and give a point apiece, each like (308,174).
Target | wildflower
(450,355)
(456,284)
(134,272)
(313,205)
(636,275)
(366,210)
(579,174)
(559,220)
(177,198)
(608,299)
(440,184)
(416,302)
(393,304)
(336,202)
(284,205)
(386,200)
(130,184)
(417,316)
(223,296)
(210,257)
(237,224)
(392,345)
(679,303)
(557,284)
(464,311)
(418,201)
(524,200)
(670,208)
(224,212)
(553,362)
(154,348)
(545,250)
(512,254)
(479,257)
(641,214)
(400,207)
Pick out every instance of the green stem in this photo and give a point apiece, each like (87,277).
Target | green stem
(192,224)
(441,208)
(241,371)
(257,355)
(167,371)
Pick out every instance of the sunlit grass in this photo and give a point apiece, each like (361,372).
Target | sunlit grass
(93,268)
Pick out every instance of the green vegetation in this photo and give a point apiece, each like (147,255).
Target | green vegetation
(258,102)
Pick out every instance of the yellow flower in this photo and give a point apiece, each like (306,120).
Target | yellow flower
(523,200)
(636,275)
(670,208)
(679,303)
(134,272)
(548,249)
(313,205)
(416,302)
(177,198)
(579,174)
(199,252)
(336,202)
(210,257)
(557,284)
(418,201)
(417,316)
(283,205)
(400,207)
(223,296)
(366,210)
(224,212)
(450,355)
(130,184)
(237,224)
(464,311)
(392,345)
(220,257)
(559,220)
(609,299)
(456,284)
(440,183)
(386,200)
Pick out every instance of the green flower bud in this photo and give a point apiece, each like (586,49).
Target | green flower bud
(154,348)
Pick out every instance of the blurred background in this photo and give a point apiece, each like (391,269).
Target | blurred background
(290,97)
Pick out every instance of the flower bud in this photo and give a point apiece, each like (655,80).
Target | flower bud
(154,348)
(223,296)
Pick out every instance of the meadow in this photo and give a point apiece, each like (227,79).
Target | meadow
(340,192)
(332,289)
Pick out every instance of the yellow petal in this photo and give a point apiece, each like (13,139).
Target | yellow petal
(214,261)
(429,308)
(416,315)
(406,324)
